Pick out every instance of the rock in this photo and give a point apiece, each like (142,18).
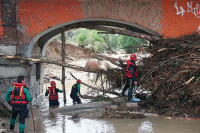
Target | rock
(93,109)
(113,106)
(131,105)
(106,65)
(75,116)
(51,75)
(3,125)
(93,64)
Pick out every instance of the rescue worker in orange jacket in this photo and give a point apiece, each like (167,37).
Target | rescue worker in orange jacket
(131,75)
(20,96)
(53,94)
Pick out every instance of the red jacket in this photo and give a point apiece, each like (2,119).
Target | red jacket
(18,96)
(131,70)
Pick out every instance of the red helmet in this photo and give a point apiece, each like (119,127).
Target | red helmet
(133,57)
(53,83)
(78,81)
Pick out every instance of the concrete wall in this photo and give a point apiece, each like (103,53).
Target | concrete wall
(11,69)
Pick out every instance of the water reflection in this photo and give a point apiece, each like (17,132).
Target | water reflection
(58,123)
(146,127)
(64,124)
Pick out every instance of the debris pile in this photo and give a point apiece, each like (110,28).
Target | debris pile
(122,112)
(172,74)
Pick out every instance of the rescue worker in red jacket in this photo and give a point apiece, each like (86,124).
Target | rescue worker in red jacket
(53,94)
(20,96)
(131,75)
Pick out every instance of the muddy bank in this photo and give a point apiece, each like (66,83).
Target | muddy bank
(117,108)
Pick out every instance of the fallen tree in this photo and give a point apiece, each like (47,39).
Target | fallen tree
(96,89)
(60,63)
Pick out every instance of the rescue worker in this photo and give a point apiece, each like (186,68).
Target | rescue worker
(20,96)
(75,91)
(53,94)
(131,75)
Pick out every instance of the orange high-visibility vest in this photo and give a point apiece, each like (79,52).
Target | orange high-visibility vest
(52,93)
(18,97)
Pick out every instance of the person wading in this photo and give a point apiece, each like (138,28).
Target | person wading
(75,91)
(131,75)
(20,96)
(53,94)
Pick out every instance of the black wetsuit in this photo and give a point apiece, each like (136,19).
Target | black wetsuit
(74,93)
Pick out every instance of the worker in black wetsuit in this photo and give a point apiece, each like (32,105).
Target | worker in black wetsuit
(75,91)
(131,75)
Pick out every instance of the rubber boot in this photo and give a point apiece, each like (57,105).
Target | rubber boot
(12,124)
(21,128)
(74,102)
(12,128)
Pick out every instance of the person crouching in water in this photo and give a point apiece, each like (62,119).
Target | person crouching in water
(131,75)
(75,91)
(53,94)
(20,96)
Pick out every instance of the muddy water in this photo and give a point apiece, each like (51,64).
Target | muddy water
(58,123)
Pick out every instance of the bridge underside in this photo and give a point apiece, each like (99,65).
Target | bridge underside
(110,27)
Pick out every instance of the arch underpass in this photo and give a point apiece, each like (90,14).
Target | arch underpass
(26,27)
(107,25)
(42,40)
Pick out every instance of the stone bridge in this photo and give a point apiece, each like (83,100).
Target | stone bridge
(27,26)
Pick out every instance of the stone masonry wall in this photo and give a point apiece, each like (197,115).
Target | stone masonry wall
(11,69)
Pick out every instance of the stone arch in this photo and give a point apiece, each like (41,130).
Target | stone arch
(46,35)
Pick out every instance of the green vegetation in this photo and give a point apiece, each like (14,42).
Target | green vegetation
(130,44)
(92,40)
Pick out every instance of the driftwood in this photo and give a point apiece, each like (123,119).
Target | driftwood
(112,60)
(7,105)
(88,97)
(111,30)
(94,88)
(101,57)
(172,76)
(63,60)
(50,62)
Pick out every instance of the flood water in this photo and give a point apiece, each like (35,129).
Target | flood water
(58,123)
